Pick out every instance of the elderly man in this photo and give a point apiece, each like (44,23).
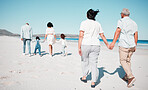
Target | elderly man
(26,36)
(128,31)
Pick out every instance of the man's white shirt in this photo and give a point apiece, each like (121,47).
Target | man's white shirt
(128,28)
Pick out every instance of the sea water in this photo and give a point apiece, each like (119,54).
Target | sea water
(143,44)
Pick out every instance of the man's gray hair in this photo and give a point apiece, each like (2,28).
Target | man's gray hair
(125,11)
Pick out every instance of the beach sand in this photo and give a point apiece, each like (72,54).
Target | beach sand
(18,72)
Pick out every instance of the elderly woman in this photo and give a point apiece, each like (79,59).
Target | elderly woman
(51,37)
(89,46)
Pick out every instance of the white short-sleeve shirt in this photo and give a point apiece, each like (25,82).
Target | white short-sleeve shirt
(63,42)
(128,28)
(50,36)
(50,31)
(91,29)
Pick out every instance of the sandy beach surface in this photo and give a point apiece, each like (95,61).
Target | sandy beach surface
(18,72)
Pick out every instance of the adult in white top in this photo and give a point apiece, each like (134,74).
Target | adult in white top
(92,30)
(128,31)
(128,28)
(26,36)
(89,46)
(51,37)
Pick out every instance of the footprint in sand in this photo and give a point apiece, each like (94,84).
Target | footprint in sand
(13,71)
(4,77)
(29,71)
(9,83)
(67,73)
(62,72)
(21,63)
(35,77)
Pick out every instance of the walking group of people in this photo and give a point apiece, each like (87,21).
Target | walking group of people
(26,36)
(89,44)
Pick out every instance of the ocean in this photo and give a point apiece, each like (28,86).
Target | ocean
(143,44)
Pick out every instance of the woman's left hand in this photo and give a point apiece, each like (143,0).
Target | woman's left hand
(80,52)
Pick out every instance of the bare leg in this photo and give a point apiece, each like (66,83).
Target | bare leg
(92,83)
(50,49)
(84,78)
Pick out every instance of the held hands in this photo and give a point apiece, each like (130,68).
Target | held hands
(111,46)
(107,46)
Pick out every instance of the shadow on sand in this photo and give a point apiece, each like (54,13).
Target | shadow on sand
(119,70)
(60,53)
(42,53)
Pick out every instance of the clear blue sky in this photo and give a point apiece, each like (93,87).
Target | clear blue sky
(66,15)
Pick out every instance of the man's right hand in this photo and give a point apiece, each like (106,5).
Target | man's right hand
(22,39)
(134,49)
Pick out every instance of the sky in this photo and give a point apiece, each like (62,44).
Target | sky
(67,15)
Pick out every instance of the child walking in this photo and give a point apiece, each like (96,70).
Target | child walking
(38,46)
(64,44)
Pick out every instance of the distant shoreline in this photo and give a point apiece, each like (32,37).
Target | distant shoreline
(142,44)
